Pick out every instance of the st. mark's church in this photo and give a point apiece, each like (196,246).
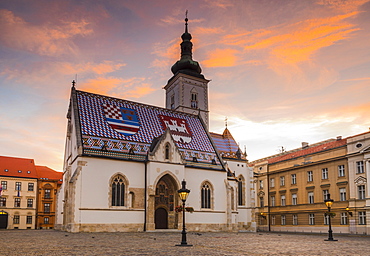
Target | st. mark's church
(125,161)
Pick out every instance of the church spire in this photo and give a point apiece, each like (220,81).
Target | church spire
(186,64)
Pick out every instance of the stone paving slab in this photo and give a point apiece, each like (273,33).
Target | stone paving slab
(52,242)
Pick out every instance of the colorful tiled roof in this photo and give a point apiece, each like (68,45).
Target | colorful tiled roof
(308,151)
(17,167)
(120,126)
(45,173)
(226,145)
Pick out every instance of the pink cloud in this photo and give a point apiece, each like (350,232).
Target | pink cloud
(44,39)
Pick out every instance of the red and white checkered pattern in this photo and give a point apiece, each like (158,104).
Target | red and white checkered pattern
(112,111)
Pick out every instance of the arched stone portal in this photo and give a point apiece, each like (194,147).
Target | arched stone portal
(165,201)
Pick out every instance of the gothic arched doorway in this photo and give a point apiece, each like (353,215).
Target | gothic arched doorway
(3,219)
(165,200)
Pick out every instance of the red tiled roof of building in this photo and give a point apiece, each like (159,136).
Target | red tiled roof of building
(17,167)
(308,151)
(45,173)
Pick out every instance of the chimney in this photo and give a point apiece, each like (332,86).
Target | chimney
(339,137)
(304,145)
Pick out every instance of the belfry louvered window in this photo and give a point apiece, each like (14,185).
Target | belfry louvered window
(118,191)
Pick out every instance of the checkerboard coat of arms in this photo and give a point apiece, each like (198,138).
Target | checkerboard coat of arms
(179,128)
(122,120)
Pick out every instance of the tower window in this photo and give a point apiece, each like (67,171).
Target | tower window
(194,100)
(172,102)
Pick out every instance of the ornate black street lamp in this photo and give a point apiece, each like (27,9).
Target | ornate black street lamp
(329,202)
(183,193)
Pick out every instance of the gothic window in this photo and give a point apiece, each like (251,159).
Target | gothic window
(241,199)
(206,196)
(167,152)
(118,191)
(172,102)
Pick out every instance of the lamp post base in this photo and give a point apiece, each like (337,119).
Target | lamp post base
(184,245)
(331,240)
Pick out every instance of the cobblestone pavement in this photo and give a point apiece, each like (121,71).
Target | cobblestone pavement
(51,242)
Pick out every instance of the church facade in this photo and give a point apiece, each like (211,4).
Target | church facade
(125,161)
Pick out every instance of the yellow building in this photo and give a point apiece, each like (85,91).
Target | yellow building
(291,188)
(18,179)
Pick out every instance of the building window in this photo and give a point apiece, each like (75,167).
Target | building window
(16,219)
(118,191)
(283,220)
(325,194)
(47,207)
(294,199)
(18,186)
(29,219)
(17,202)
(46,220)
(311,219)
(272,200)
(324,173)
(47,193)
(2,201)
(283,200)
(362,218)
(30,186)
(194,100)
(309,176)
(29,203)
(273,220)
(295,219)
(272,182)
(342,194)
(326,219)
(294,179)
(172,102)
(261,184)
(4,184)
(262,202)
(360,167)
(167,152)
(343,218)
(206,196)
(282,181)
(311,198)
(241,191)
(361,192)
(341,172)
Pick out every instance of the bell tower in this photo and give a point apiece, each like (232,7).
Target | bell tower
(187,90)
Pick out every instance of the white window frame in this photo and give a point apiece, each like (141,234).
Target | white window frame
(341,171)
(361,218)
(294,179)
(295,219)
(324,173)
(360,167)
(342,194)
(311,219)
(294,199)
(283,220)
(282,181)
(343,218)
(309,176)
(325,194)
(361,192)
(272,183)
(283,200)
(311,198)
(273,201)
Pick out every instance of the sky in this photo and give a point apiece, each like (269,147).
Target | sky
(282,71)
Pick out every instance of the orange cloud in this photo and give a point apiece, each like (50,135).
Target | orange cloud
(221,58)
(44,39)
(224,4)
(135,87)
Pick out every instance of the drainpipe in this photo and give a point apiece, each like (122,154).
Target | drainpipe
(268,199)
(145,190)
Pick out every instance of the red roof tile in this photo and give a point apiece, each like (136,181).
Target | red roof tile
(308,151)
(45,173)
(17,167)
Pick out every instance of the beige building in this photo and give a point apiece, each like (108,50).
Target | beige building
(358,147)
(291,188)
